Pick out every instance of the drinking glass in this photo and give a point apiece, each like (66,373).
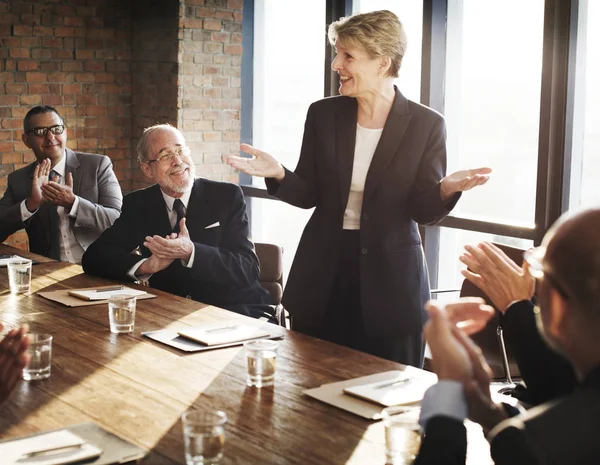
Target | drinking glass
(40,352)
(121,313)
(402,434)
(19,275)
(204,436)
(262,361)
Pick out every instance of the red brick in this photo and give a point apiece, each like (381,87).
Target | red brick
(31,19)
(236,38)
(63,54)
(194,2)
(105,77)
(8,147)
(11,123)
(238,17)
(27,65)
(193,23)
(72,65)
(43,31)
(93,66)
(9,100)
(31,99)
(84,77)
(212,25)
(20,8)
(39,88)
(213,47)
(86,11)
(13,157)
(52,100)
(22,30)
(233,49)
(19,89)
(84,54)
(6,135)
(20,53)
(41,53)
(36,77)
(224,15)
(235,4)
(74,21)
(30,42)
(71,88)
(219,36)
(64,31)
(69,99)
(7,77)
(52,42)
(86,99)
(92,111)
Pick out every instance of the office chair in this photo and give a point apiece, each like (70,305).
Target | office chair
(270,257)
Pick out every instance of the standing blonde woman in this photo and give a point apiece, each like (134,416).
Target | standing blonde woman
(373,164)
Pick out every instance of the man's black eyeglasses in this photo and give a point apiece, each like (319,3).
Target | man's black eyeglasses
(57,130)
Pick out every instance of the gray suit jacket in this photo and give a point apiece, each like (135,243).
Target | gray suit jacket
(402,189)
(100,200)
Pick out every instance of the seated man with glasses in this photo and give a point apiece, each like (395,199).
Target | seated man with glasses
(566,268)
(64,199)
(191,234)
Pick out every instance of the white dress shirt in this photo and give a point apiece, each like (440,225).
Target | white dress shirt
(70,249)
(169,201)
(366,143)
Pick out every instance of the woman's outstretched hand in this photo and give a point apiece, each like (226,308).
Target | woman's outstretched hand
(261,164)
(463,180)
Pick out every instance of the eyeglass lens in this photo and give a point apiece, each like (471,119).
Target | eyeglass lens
(56,130)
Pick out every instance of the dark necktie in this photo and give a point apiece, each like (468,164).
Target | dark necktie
(54,246)
(180,210)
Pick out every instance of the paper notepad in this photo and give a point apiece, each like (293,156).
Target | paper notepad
(222,333)
(401,390)
(29,450)
(4,259)
(103,293)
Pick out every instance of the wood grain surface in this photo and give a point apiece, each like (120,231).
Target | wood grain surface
(138,388)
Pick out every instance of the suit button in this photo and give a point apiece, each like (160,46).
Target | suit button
(366,217)
(364,251)
(188,297)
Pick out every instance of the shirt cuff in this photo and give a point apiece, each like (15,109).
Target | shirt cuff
(134,268)
(446,398)
(74,208)
(26,214)
(190,262)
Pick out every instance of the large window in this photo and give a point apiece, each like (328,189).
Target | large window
(289,52)
(585,188)
(410,13)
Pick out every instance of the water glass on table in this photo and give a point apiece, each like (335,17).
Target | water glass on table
(262,361)
(19,275)
(402,434)
(40,353)
(121,313)
(204,436)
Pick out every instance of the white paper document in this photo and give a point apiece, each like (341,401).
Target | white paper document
(56,448)
(222,333)
(104,293)
(4,259)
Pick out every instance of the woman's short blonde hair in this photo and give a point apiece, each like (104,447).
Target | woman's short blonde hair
(380,33)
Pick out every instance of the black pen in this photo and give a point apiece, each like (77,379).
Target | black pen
(52,450)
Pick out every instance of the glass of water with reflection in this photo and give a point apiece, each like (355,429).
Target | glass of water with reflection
(204,436)
(40,353)
(262,361)
(402,434)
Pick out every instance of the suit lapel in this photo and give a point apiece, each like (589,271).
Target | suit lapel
(393,132)
(197,210)
(72,166)
(156,209)
(345,141)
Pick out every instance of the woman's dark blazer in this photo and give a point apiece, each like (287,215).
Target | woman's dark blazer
(402,189)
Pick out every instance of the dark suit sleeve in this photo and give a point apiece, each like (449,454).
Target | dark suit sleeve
(425,202)
(444,443)
(10,212)
(234,261)
(110,255)
(299,188)
(510,447)
(546,374)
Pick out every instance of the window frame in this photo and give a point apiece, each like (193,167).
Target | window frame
(557,102)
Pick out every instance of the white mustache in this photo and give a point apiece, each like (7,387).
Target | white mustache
(178,168)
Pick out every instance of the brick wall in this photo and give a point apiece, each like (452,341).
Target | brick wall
(210,56)
(113,67)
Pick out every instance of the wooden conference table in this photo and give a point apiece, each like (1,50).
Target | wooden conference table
(138,388)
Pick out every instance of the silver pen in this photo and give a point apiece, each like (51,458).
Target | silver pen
(393,383)
(223,328)
(52,450)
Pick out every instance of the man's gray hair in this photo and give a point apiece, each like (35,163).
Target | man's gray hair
(142,145)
